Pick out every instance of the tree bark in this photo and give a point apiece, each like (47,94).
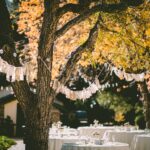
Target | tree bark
(37,129)
(39,113)
(146,103)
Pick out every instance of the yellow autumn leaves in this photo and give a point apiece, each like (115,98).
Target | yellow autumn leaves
(124,37)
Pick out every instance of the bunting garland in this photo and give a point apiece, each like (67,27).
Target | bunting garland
(128,76)
(17,73)
(20,73)
(82,94)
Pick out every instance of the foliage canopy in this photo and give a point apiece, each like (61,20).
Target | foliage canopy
(124,36)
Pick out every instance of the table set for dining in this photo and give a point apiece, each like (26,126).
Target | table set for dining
(123,136)
(91,146)
(94,130)
(141,142)
(83,143)
(58,135)
(55,143)
(98,138)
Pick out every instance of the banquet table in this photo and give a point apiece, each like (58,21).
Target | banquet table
(141,142)
(122,136)
(107,146)
(56,142)
(62,131)
(90,131)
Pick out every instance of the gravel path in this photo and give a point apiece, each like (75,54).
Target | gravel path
(18,146)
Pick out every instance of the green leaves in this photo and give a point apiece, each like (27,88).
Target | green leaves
(6,143)
(113,101)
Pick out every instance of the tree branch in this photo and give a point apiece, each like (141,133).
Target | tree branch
(109,8)
(75,8)
(76,55)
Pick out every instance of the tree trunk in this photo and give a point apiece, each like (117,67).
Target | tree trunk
(37,125)
(37,136)
(39,110)
(146,103)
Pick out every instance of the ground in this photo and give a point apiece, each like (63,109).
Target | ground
(18,146)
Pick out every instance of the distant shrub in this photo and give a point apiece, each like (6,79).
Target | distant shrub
(140,122)
(6,142)
(6,127)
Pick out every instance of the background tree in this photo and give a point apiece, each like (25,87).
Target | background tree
(37,107)
(114,102)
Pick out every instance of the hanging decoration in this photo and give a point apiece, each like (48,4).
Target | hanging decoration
(20,73)
(17,73)
(128,76)
(82,94)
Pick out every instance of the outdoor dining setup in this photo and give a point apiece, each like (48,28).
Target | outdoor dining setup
(75,74)
(98,137)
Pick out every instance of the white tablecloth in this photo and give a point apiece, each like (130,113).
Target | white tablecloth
(62,131)
(122,136)
(141,142)
(89,131)
(55,143)
(108,146)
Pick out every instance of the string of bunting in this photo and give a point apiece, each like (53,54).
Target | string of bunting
(82,94)
(128,76)
(17,73)
(20,73)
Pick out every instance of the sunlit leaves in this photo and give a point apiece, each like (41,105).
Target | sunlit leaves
(124,39)
(30,20)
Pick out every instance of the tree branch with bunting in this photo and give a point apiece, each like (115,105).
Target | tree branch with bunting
(76,55)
